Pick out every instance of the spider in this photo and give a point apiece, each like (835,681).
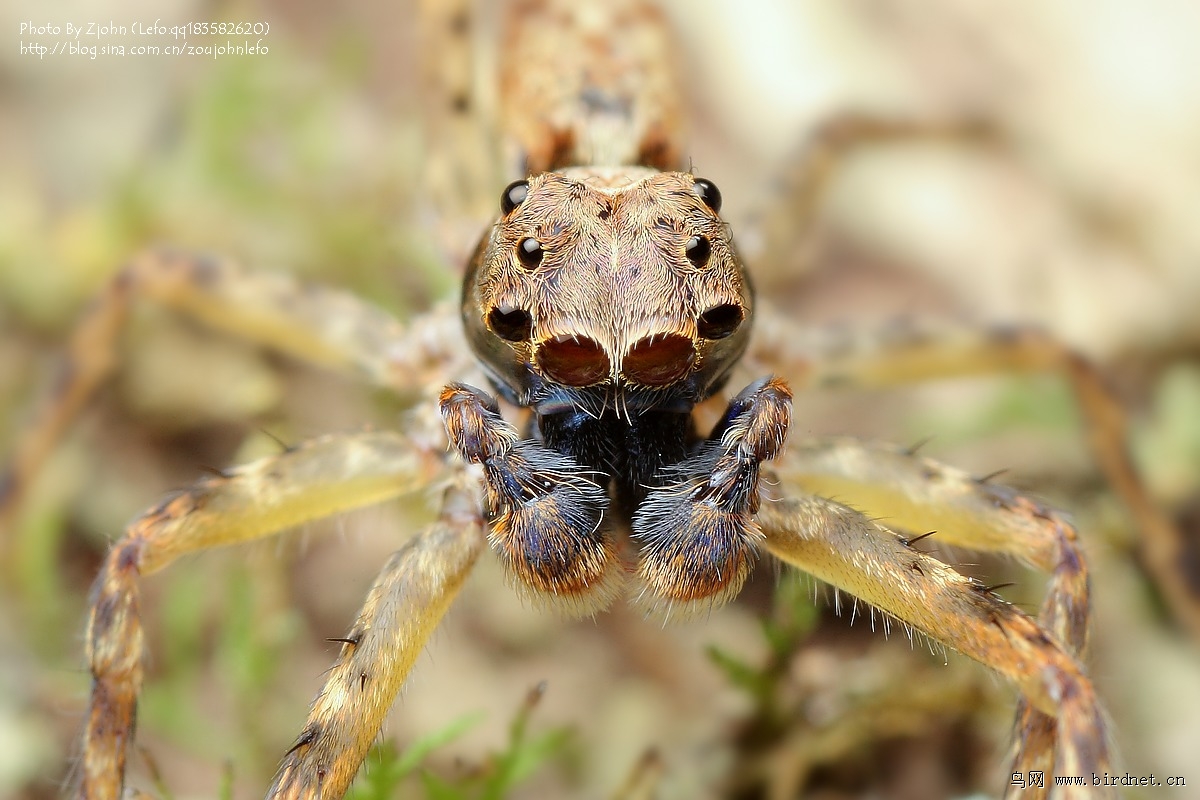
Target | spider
(607,309)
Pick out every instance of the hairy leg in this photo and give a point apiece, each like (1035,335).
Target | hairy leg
(848,550)
(909,353)
(545,510)
(462,166)
(406,604)
(314,324)
(795,204)
(697,530)
(310,481)
(917,493)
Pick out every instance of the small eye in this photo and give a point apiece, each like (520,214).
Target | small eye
(720,321)
(512,326)
(529,253)
(707,191)
(513,195)
(697,250)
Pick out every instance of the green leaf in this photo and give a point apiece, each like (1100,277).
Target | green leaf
(387,768)
(419,750)
(739,673)
(438,789)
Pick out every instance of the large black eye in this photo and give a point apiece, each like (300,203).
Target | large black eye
(697,250)
(513,195)
(512,326)
(529,252)
(707,191)
(720,321)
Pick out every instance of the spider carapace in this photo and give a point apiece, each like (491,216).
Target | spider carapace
(611,302)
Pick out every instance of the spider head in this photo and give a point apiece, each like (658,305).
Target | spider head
(608,279)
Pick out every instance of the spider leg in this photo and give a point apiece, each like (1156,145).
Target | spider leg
(907,354)
(796,201)
(405,605)
(917,493)
(848,550)
(313,480)
(545,511)
(462,165)
(314,324)
(698,530)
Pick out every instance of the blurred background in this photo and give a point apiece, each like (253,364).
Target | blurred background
(312,158)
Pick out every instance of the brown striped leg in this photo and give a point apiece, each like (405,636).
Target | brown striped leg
(917,493)
(411,595)
(795,204)
(313,324)
(911,352)
(847,549)
(461,164)
(312,480)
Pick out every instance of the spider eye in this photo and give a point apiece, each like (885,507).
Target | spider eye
(659,361)
(707,191)
(573,360)
(512,326)
(513,195)
(720,321)
(529,252)
(697,250)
